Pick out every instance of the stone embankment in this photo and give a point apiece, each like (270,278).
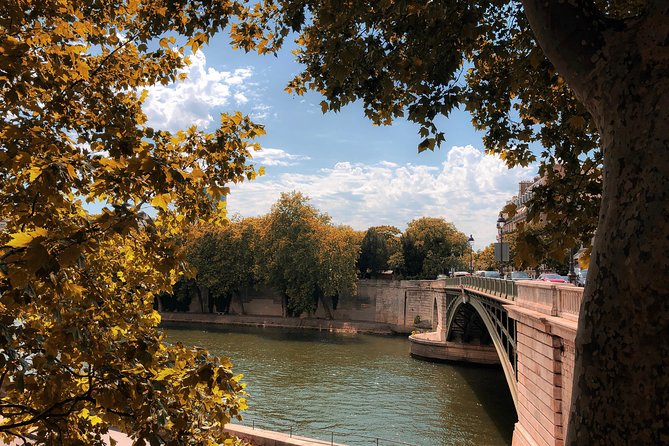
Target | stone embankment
(378,306)
(190,319)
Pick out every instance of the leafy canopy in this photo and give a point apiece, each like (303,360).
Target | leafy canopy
(419,60)
(432,246)
(80,351)
(305,257)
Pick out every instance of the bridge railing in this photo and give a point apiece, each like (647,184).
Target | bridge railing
(551,299)
(505,289)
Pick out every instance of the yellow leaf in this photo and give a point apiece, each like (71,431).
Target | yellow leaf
(73,289)
(164,374)
(22,239)
(95,420)
(161,201)
(34,172)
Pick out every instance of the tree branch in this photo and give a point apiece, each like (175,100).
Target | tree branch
(570,33)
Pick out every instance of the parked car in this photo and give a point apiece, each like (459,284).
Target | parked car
(461,273)
(517,275)
(489,274)
(581,278)
(442,276)
(551,277)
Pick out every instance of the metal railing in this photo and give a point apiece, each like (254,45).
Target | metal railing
(505,289)
(332,436)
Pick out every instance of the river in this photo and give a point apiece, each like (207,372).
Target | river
(360,387)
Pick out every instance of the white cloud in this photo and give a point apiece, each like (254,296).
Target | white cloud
(277,157)
(469,189)
(180,105)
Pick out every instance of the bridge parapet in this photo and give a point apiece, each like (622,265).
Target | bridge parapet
(550,299)
(505,289)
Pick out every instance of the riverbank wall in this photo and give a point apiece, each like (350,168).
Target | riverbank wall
(377,306)
(335,326)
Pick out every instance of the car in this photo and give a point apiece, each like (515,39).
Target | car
(517,275)
(442,276)
(582,277)
(489,274)
(461,274)
(551,277)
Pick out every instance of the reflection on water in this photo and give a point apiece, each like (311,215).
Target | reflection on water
(360,386)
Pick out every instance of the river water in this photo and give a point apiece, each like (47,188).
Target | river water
(360,388)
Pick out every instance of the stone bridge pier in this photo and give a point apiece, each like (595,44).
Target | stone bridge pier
(531,328)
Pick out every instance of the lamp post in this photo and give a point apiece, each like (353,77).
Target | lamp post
(571,274)
(471,253)
(500,227)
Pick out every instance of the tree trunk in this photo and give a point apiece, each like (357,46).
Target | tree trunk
(621,393)
(621,73)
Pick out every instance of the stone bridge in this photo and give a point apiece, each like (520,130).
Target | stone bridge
(528,327)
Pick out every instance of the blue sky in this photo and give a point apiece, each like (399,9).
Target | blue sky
(361,175)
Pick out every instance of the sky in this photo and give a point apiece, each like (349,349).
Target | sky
(360,174)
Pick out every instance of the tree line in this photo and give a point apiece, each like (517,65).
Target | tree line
(296,250)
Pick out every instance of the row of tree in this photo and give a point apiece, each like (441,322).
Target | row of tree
(428,247)
(297,250)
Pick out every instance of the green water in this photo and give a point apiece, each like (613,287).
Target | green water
(361,388)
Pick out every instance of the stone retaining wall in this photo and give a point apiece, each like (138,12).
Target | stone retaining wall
(190,319)
(398,304)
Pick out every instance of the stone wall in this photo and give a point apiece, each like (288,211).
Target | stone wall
(545,333)
(396,303)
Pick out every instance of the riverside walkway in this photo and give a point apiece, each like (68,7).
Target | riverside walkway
(529,328)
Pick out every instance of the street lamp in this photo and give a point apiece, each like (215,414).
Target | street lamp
(571,274)
(500,227)
(471,253)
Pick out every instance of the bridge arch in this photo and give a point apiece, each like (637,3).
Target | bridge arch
(477,313)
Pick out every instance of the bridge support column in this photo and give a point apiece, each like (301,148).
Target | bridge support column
(545,364)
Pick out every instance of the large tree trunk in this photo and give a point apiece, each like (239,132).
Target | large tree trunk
(621,73)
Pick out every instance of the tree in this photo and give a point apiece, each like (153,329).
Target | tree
(340,249)
(80,349)
(378,245)
(223,259)
(305,257)
(291,250)
(485,260)
(432,246)
(585,78)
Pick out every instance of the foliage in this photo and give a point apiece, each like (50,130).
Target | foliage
(419,60)
(378,245)
(484,260)
(80,349)
(586,80)
(432,246)
(224,260)
(340,249)
(305,256)
(181,296)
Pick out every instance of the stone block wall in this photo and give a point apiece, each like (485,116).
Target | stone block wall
(567,358)
(545,349)
(539,385)
(393,302)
